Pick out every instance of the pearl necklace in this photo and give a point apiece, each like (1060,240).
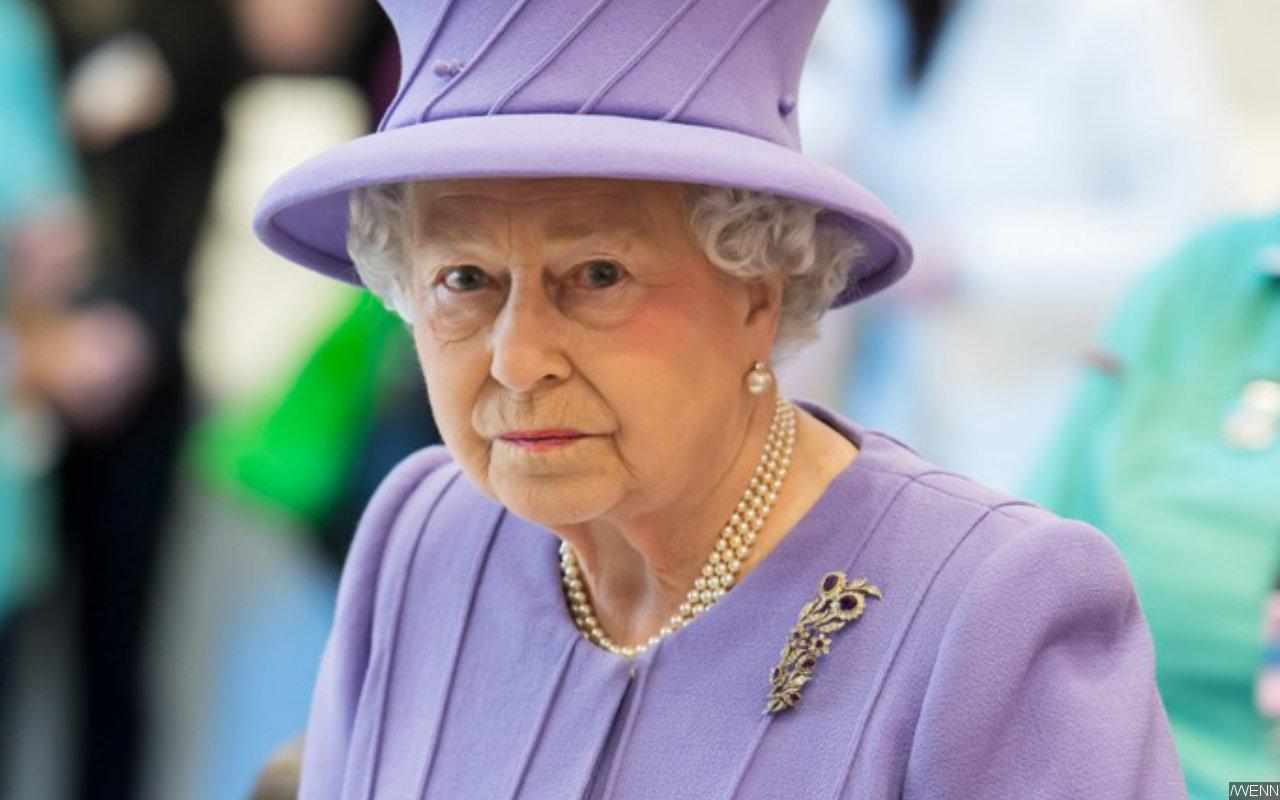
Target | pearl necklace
(725,562)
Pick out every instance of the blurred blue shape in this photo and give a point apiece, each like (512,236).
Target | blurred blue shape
(270,655)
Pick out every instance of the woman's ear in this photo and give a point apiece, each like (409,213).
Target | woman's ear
(764,304)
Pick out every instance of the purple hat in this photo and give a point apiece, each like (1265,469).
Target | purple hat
(691,91)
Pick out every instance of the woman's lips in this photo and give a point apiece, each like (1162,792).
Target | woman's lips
(542,439)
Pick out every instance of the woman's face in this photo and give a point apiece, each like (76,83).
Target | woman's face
(581,305)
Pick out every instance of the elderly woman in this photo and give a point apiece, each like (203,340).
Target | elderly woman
(636,569)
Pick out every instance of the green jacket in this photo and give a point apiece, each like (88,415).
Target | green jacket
(292,449)
(1149,455)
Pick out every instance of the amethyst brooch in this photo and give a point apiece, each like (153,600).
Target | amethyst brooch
(839,602)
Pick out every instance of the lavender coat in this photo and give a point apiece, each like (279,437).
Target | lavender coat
(1008,658)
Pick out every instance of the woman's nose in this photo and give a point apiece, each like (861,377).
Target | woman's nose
(526,342)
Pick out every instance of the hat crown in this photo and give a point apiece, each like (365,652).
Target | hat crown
(730,64)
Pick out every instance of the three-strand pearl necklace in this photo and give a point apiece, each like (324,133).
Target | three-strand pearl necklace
(725,562)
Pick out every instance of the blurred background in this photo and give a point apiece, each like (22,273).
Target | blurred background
(189,426)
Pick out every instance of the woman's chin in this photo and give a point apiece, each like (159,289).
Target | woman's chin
(556,501)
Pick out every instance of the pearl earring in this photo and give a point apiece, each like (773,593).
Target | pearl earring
(759,379)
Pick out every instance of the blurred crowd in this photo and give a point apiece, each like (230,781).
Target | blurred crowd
(187,435)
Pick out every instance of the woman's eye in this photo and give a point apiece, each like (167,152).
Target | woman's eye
(601,274)
(464,279)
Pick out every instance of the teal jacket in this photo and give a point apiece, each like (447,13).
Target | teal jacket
(1153,455)
(36,167)
(35,162)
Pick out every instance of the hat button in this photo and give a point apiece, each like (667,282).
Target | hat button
(446,68)
(786,104)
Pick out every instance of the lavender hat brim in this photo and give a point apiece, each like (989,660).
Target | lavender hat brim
(303,216)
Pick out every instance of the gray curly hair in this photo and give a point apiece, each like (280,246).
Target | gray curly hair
(746,234)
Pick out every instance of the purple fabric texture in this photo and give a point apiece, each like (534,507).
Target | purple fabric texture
(699,91)
(1008,658)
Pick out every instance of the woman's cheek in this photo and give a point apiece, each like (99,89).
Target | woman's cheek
(661,327)
(454,379)
(454,318)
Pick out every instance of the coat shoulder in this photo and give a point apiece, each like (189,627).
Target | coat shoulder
(1019,634)
(976,539)
(402,501)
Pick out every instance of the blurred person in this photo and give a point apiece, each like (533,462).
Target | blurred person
(314,446)
(317,445)
(144,88)
(42,249)
(625,573)
(1172,447)
(1040,151)
(43,240)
